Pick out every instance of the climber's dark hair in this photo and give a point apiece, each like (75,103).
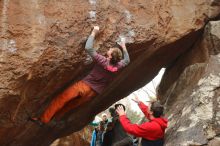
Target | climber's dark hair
(157,109)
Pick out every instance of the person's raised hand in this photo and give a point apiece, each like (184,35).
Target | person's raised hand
(122,42)
(136,99)
(95,30)
(120,110)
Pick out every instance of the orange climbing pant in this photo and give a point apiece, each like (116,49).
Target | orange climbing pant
(72,97)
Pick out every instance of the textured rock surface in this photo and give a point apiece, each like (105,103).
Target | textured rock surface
(193,100)
(81,138)
(42,52)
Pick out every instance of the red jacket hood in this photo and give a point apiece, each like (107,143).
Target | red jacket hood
(162,121)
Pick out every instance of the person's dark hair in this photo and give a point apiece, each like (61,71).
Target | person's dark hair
(118,104)
(157,109)
(116,56)
(111,111)
(101,124)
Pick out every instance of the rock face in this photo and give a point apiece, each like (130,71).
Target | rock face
(81,138)
(42,52)
(193,99)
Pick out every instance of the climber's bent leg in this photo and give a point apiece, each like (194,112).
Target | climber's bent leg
(86,96)
(58,102)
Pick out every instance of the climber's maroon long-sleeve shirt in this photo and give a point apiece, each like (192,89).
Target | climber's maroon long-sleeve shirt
(103,72)
(152,130)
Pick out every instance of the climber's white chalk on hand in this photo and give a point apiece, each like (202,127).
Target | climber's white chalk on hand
(123,39)
(96,27)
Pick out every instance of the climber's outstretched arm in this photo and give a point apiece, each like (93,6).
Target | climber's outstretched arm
(89,43)
(126,59)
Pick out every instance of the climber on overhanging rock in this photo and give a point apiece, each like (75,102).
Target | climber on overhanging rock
(93,84)
(152,132)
